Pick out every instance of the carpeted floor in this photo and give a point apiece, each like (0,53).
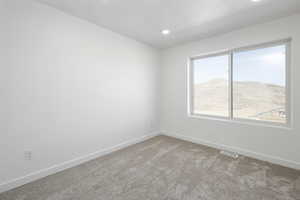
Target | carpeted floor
(165,168)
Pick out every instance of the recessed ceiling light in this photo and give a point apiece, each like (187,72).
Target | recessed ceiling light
(165,32)
(255,0)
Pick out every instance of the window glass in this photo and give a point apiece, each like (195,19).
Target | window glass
(210,86)
(259,81)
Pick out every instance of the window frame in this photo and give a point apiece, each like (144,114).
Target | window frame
(230,53)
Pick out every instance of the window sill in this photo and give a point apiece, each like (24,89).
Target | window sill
(243,121)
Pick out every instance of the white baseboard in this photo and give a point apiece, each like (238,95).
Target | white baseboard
(68,164)
(244,152)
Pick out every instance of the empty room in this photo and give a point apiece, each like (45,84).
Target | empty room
(150,100)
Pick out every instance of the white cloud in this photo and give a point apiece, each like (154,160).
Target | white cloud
(274,59)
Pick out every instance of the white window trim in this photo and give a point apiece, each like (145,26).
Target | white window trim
(230,118)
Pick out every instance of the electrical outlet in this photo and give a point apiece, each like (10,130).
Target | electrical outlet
(27,155)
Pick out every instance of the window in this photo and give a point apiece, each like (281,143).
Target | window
(242,84)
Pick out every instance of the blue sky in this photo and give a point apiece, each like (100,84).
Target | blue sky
(265,65)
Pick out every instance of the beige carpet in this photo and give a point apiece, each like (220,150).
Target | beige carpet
(165,168)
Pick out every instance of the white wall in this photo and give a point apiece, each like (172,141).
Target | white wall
(68,88)
(273,144)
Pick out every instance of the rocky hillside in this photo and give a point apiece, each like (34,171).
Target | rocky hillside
(251,99)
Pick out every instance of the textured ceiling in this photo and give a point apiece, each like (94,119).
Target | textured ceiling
(188,20)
